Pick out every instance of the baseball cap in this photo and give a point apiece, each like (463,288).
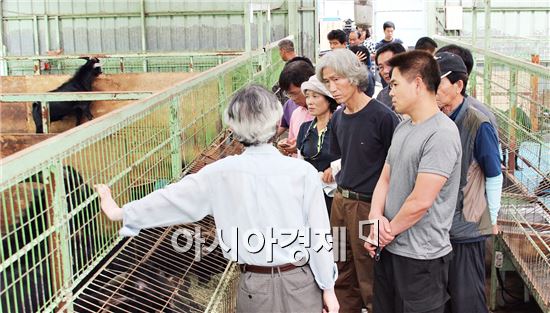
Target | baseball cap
(448,63)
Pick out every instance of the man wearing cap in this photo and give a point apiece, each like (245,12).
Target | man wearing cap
(468,59)
(478,202)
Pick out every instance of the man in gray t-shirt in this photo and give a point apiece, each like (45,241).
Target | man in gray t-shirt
(429,147)
(415,197)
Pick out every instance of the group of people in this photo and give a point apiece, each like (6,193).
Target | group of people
(417,173)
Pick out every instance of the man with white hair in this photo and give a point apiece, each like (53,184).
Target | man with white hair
(361,135)
(247,195)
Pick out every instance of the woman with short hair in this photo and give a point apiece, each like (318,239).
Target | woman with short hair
(313,140)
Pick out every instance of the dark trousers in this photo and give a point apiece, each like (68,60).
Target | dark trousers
(353,287)
(467,278)
(405,285)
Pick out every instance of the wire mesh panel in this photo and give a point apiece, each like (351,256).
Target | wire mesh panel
(526,234)
(113,64)
(522,111)
(53,234)
(524,120)
(148,274)
(27,283)
(521,47)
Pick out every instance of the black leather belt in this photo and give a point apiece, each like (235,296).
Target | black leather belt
(266,269)
(348,194)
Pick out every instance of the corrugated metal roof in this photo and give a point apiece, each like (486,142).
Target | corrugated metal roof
(111,26)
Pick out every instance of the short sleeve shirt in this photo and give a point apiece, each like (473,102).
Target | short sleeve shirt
(362,140)
(432,146)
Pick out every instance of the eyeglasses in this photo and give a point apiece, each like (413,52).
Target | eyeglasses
(292,95)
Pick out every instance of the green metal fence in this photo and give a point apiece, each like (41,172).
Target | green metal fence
(514,46)
(117,63)
(518,93)
(52,230)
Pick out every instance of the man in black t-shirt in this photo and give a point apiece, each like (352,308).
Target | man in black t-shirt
(389,27)
(361,135)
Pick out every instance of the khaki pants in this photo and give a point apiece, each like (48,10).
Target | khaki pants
(290,291)
(356,273)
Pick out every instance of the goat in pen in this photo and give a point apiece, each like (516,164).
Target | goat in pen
(81,81)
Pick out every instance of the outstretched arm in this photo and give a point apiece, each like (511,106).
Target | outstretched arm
(179,203)
(108,204)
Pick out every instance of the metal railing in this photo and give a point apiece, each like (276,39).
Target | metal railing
(52,231)
(518,47)
(46,97)
(116,63)
(525,240)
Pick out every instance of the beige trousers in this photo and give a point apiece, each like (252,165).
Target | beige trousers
(290,291)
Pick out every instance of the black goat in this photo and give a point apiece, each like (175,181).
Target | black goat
(81,227)
(29,280)
(26,283)
(81,81)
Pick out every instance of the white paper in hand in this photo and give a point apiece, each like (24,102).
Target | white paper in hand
(329,189)
(335,165)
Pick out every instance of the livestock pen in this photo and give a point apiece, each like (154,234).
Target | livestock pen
(181,61)
(111,91)
(53,235)
(176,64)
